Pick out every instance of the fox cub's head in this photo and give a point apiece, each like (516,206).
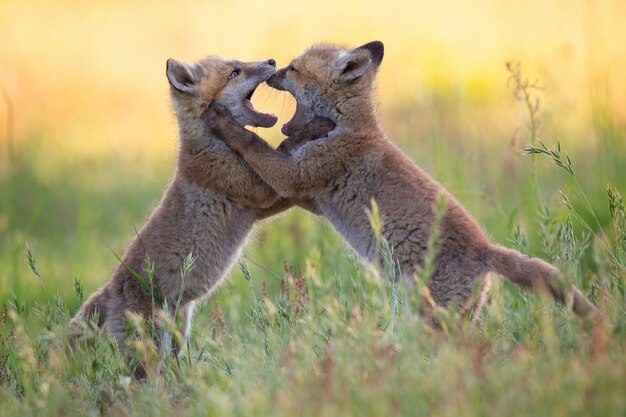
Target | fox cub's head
(194,87)
(333,82)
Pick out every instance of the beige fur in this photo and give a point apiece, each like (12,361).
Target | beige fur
(357,162)
(209,207)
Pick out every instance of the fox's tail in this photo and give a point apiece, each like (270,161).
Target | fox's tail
(537,275)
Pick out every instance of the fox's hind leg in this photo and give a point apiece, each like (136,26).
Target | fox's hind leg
(474,308)
(185,314)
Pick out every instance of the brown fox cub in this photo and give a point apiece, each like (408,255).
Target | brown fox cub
(208,208)
(356,163)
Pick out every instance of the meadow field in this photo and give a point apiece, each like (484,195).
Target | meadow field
(535,149)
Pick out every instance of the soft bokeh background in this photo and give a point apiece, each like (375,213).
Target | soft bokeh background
(90,143)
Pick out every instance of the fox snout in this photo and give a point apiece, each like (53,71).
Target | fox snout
(264,69)
(276,80)
(269,64)
(258,70)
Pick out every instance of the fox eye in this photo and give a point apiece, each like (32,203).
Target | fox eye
(292,68)
(234,74)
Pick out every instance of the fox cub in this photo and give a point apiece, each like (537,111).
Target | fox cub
(356,163)
(208,208)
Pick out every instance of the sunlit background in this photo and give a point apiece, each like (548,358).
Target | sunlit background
(91,139)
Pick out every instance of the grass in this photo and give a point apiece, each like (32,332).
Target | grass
(302,327)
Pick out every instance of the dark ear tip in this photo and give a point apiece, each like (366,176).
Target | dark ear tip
(377,49)
(378,44)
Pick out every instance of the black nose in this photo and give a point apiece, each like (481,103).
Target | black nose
(271,62)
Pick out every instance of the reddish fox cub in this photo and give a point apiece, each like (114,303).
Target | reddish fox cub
(356,163)
(208,208)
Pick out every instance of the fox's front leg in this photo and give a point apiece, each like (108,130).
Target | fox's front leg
(289,176)
(311,131)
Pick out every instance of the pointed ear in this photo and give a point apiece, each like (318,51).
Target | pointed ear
(181,76)
(351,65)
(376,50)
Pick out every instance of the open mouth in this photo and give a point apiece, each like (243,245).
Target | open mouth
(259,119)
(300,118)
(302,115)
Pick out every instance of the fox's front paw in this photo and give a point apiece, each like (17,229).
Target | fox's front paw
(218,118)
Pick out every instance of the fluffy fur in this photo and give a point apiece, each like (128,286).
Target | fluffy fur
(356,163)
(208,208)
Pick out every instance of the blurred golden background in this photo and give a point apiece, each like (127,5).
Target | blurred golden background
(94,139)
(89,76)
(88,143)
